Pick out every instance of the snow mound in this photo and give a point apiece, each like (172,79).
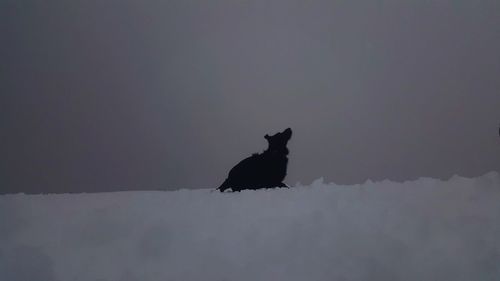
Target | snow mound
(421,230)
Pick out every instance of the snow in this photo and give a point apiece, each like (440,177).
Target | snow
(417,230)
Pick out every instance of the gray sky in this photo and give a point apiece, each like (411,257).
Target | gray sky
(119,95)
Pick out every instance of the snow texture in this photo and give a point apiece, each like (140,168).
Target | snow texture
(421,230)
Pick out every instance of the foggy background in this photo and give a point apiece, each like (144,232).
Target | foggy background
(121,95)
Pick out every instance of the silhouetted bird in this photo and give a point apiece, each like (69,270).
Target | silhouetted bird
(265,170)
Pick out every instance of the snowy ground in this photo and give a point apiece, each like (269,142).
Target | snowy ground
(421,230)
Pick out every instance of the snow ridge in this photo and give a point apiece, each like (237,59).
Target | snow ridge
(426,229)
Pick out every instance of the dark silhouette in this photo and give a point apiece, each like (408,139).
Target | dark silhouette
(265,170)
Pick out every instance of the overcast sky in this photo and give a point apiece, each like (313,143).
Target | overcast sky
(120,95)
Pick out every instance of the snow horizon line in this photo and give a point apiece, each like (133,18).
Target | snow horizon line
(298,184)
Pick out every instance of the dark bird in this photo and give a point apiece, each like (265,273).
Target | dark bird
(264,170)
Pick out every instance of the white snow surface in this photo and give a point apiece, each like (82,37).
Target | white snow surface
(420,230)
